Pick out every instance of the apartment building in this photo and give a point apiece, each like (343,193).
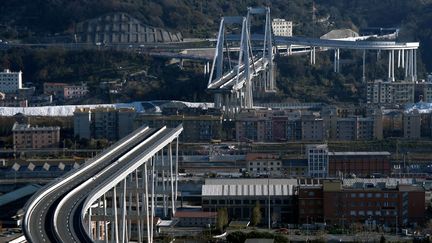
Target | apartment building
(390,93)
(282,27)
(313,129)
(412,124)
(278,126)
(28,137)
(65,91)
(10,82)
(103,123)
(196,127)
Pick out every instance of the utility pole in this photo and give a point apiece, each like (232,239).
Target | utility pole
(268,194)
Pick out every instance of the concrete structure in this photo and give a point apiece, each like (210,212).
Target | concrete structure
(318,159)
(83,123)
(121,28)
(195,218)
(239,196)
(392,122)
(310,203)
(303,125)
(277,125)
(27,137)
(341,34)
(412,124)
(295,168)
(390,93)
(362,164)
(117,178)
(313,129)
(263,164)
(65,91)
(10,82)
(235,86)
(103,123)
(198,127)
(282,27)
(423,91)
(357,128)
(400,206)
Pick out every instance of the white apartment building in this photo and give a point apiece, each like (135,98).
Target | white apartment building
(10,82)
(281,27)
(318,158)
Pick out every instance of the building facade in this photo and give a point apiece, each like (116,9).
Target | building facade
(282,27)
(311,204)
(103,123)
(317,156)
(65,91)
(401,206)
(362,164)
(390,93)
(27,137)
(10,82)
(196,127)
(240,196)
(263,164)
(412,124)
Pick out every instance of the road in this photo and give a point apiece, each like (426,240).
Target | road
(69,210)
(38,221)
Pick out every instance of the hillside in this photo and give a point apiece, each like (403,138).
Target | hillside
(199,18)
(25,19)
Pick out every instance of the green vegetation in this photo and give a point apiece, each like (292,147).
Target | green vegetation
(97,66)
(240,237)
(222,219)
(256,215)
(296,80)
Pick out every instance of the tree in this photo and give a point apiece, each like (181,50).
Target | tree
(236,237)
(256,215)
(222,219)
(382,239)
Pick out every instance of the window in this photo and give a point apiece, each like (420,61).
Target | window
(361,213)
(353,213)
(361,195)
(369,195)
(353,195)
(378,195)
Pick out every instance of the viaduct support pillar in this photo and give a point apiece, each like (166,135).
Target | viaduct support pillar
(364,66)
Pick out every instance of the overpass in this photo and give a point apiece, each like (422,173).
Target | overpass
(234,84)
(110,195)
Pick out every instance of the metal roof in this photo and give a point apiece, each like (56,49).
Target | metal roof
(19,193)
(382,153)
(254,181)
(248,190)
